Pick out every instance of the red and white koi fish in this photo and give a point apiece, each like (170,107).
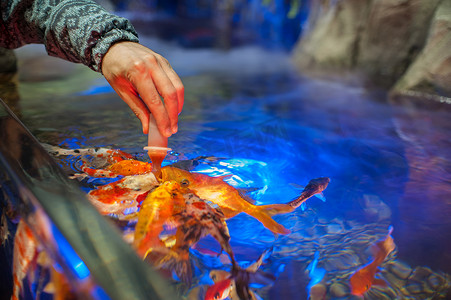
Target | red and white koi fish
(364,278)
(24,256)
(116,197)
(220,290)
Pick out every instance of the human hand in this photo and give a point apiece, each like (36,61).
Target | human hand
(139,76)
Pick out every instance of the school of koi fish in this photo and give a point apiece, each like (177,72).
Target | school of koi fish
(169,212)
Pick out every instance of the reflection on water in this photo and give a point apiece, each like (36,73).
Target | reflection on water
(388,164)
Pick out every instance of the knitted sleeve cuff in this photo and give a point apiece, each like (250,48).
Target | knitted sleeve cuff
(105,42)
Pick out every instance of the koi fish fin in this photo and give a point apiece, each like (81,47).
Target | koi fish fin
(297,186)
(224,176)
(248,190)
(379,282)
(177,261)
(303,206)
(276,209)
(390,229)
(49,288)
(246,197)
(254,266)
(229,213)
(384,247)
(321,197)
(263,213)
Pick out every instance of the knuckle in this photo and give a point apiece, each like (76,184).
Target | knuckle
(155,101)
(138,67)
(152,59)
(165,61)
(171,95)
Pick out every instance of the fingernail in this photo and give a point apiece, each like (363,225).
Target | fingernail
(175,129)
(168,132)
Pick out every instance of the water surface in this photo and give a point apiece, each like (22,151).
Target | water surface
(389,164)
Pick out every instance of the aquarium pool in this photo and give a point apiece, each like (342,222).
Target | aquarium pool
(389,163)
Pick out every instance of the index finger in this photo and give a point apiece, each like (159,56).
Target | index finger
(148,93)
(176,82)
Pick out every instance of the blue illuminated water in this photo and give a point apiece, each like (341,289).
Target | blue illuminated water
(389,164)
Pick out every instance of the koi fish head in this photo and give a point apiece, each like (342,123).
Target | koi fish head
(166,191)
(361,282)
(319,184)
(220,290)
(184,178)
(193,181)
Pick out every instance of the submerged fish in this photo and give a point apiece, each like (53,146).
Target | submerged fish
(315,187)
(24,255)
(4,230)
(156,210)
(120,195)
(220,290)
(123,167)
(362,280)
(196,221)
(235,284)
(104,162)
(216,190)
(107,156)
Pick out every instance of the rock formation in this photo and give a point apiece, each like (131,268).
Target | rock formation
(380,41)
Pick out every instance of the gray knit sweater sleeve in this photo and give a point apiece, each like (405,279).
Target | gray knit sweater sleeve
(76,30)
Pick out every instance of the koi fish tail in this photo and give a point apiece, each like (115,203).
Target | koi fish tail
(263,214)
(381,249)
(389,243)
(177,261)
(276,209)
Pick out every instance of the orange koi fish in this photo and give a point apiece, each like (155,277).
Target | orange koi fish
(124,167)
(24,255)
(216,190)
(130,167)
(362,280)
(156,210)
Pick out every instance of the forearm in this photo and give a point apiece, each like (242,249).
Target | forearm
(78,31)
